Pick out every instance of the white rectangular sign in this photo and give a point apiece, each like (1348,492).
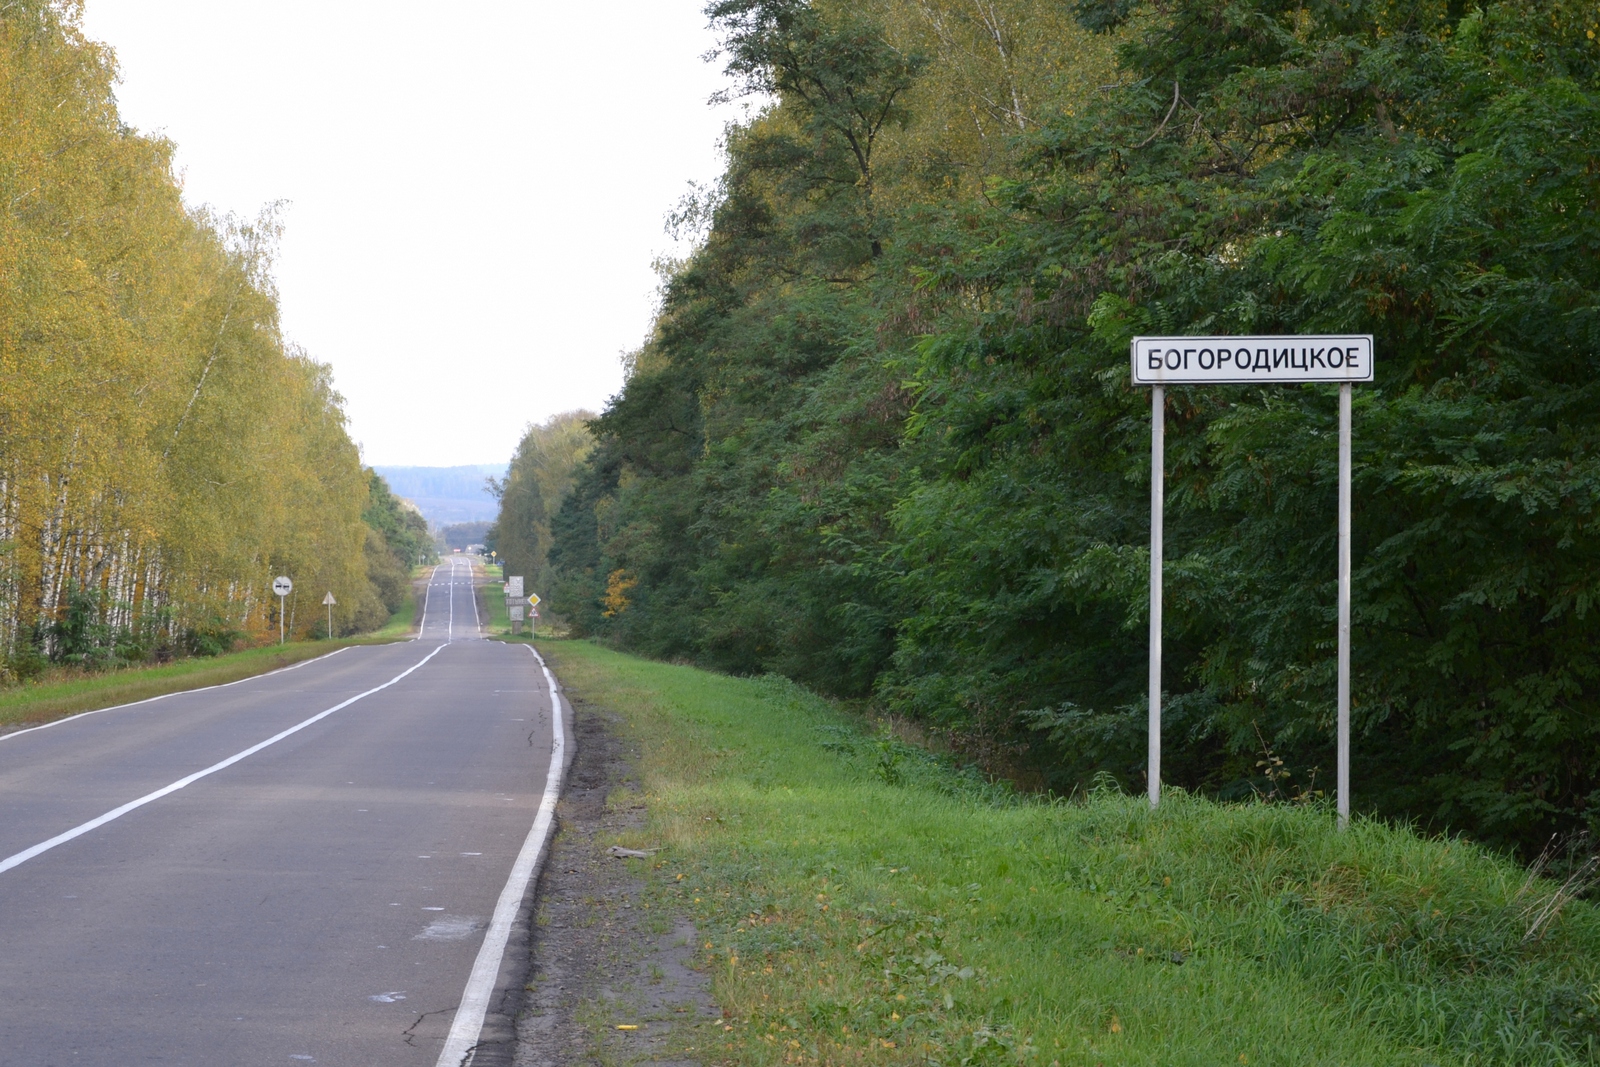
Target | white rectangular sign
(1236,360)
(516,614)
(514,587)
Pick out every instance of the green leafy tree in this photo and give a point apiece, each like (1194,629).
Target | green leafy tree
(537,480)
(883,440)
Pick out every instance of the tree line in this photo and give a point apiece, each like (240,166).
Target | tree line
(537,480)
(882,438)
(164,451)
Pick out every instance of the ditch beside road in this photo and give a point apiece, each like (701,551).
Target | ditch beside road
(853,899)
(613,977)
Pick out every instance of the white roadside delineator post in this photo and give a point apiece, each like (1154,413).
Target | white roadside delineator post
(1277,360)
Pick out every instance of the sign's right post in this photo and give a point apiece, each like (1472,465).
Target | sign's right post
(1342,786)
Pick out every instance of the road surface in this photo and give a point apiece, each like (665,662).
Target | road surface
(338,895)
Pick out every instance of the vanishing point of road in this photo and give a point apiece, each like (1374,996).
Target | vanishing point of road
(325,865)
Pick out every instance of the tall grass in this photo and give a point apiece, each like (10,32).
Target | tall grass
(862,901)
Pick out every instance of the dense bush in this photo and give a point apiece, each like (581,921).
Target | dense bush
(883,439)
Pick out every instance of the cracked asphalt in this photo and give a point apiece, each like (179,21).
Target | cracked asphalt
(321,900)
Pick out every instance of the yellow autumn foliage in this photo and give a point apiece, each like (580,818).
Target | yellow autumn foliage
(160,443)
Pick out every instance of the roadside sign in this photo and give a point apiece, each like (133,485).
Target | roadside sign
(516,613)
(533,599)
(514,587)
(329,602)
(283,587)
(1246,360)
(1250,360)
(329,598)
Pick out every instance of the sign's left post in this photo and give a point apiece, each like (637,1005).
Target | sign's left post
(1158,506)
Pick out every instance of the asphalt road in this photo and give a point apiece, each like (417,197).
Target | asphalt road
(326,898)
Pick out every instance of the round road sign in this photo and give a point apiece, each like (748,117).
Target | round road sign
(282,586)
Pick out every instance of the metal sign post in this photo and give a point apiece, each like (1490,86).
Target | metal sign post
(283,587)
(1158,508)
(1342,782)
(1286,360)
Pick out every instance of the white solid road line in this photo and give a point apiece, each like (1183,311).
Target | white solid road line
(427,597)
(116,813)
(468,1025)
(472,592)
(175,693)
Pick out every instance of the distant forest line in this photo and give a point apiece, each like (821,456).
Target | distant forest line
(447,495)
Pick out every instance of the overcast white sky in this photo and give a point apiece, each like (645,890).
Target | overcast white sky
(476,191)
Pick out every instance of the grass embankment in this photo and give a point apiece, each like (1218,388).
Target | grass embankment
(496,620)
(404,621)
(56,696)
(859,902)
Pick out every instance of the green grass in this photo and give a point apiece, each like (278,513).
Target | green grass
(861,902)
(402,622)
(496,620)
(57,695)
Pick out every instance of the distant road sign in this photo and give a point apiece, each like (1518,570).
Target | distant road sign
(1242,360)
(282,586)
(329,598)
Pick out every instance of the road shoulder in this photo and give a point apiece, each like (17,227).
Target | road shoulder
(611,978)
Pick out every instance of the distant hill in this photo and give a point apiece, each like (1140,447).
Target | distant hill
(447,494)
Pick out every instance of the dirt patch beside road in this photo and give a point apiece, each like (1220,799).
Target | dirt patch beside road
(611,981)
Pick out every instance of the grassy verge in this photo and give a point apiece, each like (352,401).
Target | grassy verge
(402,622)
(861,903)
(57,698)
(496,620)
